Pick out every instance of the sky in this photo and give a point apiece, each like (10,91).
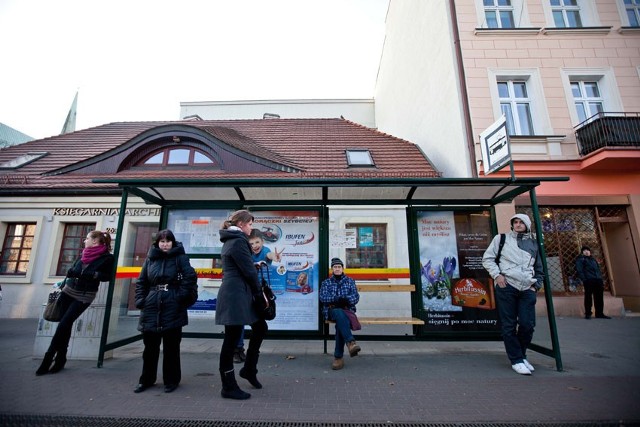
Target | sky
(136,60)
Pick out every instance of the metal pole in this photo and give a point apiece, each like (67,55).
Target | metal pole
(112,282)
(547,286)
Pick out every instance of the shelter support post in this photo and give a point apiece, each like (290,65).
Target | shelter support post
(112,282)
(547,286)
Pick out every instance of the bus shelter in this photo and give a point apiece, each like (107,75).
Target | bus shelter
(448,225)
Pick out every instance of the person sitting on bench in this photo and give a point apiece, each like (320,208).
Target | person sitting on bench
(338,293)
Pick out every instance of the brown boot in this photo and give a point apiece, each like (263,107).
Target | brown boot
(337,364)
(354,348)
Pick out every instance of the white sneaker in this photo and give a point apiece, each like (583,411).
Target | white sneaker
(521,369)
(528,365)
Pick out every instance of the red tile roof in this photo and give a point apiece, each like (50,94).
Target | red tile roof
(314,147)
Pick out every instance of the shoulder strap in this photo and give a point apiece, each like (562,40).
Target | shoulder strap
(503,237)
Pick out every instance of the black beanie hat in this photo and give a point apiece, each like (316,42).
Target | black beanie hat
(336,261)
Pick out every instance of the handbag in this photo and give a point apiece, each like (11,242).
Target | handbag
(265,306)
(53,310)
(353,320)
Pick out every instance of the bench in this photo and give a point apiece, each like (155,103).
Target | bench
(379,320)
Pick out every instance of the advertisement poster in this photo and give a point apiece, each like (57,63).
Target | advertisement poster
(457,293)
(292,268)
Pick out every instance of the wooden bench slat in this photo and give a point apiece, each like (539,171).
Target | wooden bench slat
(386,288)
(388,321)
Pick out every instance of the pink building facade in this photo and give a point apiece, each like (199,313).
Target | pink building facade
(566,75)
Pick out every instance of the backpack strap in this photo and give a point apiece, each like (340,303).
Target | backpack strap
(503,237)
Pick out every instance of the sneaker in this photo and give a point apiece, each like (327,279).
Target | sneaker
(337,364)
(602,316)
(354,348)
(587,316)
(521,369)
(528,365)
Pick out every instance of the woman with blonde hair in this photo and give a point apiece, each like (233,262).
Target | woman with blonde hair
(235,305)
(94,266)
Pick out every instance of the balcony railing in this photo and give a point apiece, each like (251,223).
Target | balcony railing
(608,130)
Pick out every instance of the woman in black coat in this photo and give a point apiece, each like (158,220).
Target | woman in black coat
(234,306)
(167,286)
(79,291)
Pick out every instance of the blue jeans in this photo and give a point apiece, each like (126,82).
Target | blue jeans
(72,309)
(343,330)
(517,315)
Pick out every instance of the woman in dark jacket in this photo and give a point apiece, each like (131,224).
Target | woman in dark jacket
(167,286)
(234,307)
(79,291)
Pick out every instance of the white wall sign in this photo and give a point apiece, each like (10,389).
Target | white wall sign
(496,151)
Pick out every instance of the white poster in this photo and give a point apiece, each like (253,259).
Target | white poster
(293,274)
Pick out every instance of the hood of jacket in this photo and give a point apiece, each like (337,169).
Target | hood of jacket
(157,253)
(227,234)
(524,218)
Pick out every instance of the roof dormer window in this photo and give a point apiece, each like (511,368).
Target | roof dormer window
(20,161)
(359,158)
(183,156)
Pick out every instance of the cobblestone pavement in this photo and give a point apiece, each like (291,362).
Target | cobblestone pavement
(389,382)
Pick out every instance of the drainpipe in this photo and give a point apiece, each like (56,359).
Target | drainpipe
(463,89)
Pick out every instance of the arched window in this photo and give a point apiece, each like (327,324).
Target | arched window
(174,156)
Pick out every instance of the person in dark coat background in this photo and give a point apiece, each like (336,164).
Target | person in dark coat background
(234,307)
(589,272)
(80,289)
(167,286)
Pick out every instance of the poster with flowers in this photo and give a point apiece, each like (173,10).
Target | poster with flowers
(438,259)
(457,293)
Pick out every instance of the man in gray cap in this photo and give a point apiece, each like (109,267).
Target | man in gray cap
(589,272)
(338,294)
(517,273)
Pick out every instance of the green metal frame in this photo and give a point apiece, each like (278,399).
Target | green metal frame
(521,186)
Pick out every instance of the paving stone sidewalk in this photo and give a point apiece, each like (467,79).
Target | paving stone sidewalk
(390,382)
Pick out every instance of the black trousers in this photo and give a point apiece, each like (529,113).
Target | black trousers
(231,336)
(594,288)
(72,309)
(171,373)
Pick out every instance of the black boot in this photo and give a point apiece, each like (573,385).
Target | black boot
(250,369)
(230,389)
(59,362)
(46,363)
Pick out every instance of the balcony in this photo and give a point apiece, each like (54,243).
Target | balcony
(608,130)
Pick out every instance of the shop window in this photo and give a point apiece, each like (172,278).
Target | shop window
(72,245)
(371,246)
(16,248)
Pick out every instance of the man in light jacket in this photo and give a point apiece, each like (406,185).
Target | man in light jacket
(518,275)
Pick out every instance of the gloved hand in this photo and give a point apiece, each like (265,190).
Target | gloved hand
(72,273)
(140,303)
(342,303)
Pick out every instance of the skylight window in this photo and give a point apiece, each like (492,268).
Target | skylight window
(359,158)
(20,161)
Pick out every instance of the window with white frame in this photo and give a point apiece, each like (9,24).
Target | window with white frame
(16,248)
(632,12)
(566,13)
(498,13)
(515,104)
(590,90)
(587,99)
(502,14)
